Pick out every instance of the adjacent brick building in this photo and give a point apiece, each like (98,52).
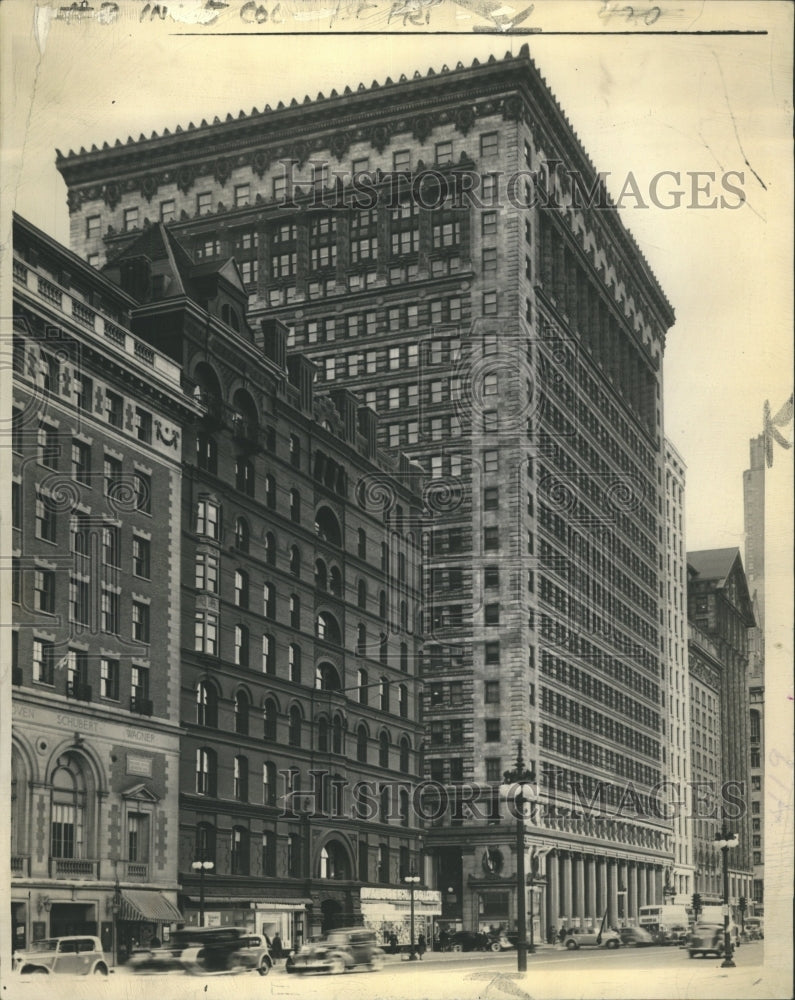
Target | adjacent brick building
(512,341)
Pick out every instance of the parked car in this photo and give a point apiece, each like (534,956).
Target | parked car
(754,928)
(591,939)
(77,955)
(338,951)
(499,942)
(635,936)
(469,941)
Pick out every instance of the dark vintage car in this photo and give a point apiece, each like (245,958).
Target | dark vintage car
(339,951)
(708,939)
(635,936)
(206,950)
(469,941)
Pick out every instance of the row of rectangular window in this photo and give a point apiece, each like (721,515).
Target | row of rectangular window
(438,311)
(46,661)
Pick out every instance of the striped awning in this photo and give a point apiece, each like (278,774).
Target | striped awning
(147,905)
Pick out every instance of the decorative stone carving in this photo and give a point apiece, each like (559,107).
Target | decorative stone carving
(111,195)
(512,108)
(464,119)
(299,151)
(379,137)
(148,187)
(422,127)
(185,179)
(260,162)
(339,144)
(221,170)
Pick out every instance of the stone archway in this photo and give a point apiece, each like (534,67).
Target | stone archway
(332,915)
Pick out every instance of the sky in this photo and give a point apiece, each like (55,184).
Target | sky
(640,103)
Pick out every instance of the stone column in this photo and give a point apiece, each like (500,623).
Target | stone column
(579,897)
(592,904)
(621,901)
(567,903)
(658,885)
(632,888)
(641,885)
(553,890)
(650,897)
(602,900)
(612,893)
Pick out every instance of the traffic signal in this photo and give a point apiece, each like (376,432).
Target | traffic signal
(696,903)
(742,904)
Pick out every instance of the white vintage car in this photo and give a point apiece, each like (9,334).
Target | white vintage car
(79,955)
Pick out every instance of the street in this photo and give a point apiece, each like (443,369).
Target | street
(552,973)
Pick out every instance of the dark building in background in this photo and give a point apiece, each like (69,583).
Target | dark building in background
(512,343)
(299,656)
(719,606)
(96,504)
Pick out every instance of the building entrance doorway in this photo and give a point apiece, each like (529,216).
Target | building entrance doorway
(72,918)
(332,915)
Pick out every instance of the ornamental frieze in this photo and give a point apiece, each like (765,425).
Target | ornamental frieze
(221,170)
(185,179)
(464,119)
(148,186)
(339,144)
(260,162)
(111,195)
(422,126)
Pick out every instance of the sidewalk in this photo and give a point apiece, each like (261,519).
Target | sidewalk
(443,956)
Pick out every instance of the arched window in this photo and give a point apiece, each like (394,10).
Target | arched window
(205,771)
(270,492)
(384,804)
(327,527)
(383,749)
(241,588)
(402,567)
(241,534)
(241,713)
(269,715)
(384,557)
(383,694)
(361,743)
(238,855)
(206,705)
(322,734)
(404,657)
(361,594)
(207,453)
(269,601)
(363,692)
(382,605)
(268,853)
(269,783)
(334,861)
(295,611)
(294,732)
(321,580)
(268,654)
(383,649)
(244,476)
(294,663)
(403,700)
(335,581)
(398,518)
(270,548)
(295,506)
(361,640)
(245,421)
(337,745)
(295,561)
(241,646)
(405,755)
(205,843)
(327,628)
(404,616)
(403,805)
(326,677)
(69,809)
(241,779)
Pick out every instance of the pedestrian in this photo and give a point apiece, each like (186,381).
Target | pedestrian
(276,946)
(393,943)
(561,934)
(421,944)
(444,939)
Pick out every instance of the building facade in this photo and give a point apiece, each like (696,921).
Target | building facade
(300,601)
(719,605)
(96,502)
(679,884)
(511,336)
(754,560)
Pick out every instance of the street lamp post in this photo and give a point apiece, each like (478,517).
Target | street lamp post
(517,785)
(411,880)
(723,842)
(201,867)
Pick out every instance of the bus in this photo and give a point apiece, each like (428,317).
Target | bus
(667,922)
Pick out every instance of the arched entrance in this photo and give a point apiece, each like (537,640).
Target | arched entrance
(332,915)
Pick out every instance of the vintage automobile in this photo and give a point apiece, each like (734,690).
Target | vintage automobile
(206,950)
(635,936)
(338,951)
(675,934)
(708,939)
(77,955)
(754,928)
(469,941)
(591,939)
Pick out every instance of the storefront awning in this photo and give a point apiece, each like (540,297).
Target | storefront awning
(281,904)
(147,905)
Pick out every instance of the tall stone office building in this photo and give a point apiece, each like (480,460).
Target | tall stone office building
(511,336)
